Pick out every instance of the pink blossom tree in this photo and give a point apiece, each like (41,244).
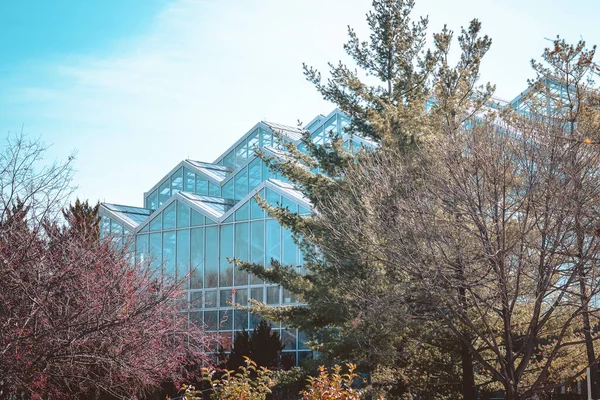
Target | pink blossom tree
(78,317)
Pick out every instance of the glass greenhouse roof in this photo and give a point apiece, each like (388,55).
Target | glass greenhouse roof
(217,205)
(219,172)
(132,215)
(289,131)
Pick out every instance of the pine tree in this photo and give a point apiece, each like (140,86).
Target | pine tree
(356,308)
(241,348)
(265,346)
(84,218)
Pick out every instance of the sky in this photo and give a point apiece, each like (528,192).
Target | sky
(135,86)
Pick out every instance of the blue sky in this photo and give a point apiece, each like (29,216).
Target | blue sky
(137,85)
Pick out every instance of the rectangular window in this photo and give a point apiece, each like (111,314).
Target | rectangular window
(226,269)
(169,216)
(152,200)
(229,159)
(241,154)
(177,181)
(210,299)
(273,241)
(155,251)
(289,339)
(241,297)
(164,192)
(201,185)
(210,320)
(197,258)
(214,189)
(266,137)
(183,254)
(254,173)
(273,198)
(225,298)
(253,142)
(211,264)
(257,249)
(189,183)
(141,248)
(273,295)
(169,254)
(257,294)
(241,320)
(156,223)
(183,215)
(256,210)
(243,213)
(226,320)
(242,246)
(197,218)
(289,248)
(227,191)
(241,184)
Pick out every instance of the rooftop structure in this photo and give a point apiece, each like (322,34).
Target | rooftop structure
(200,214)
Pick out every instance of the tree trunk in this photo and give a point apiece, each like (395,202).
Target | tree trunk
(589,343)
(468,377)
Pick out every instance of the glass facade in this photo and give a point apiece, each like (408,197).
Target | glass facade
(202,215)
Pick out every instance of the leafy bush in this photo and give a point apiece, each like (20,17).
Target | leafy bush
(249,383)
(332,386)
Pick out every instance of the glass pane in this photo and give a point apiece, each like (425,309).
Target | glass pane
(116,229)
(266,137)
(189,184)
(226,269)
(302,339)
(164,192)
(177,181)
(273,240)
(211,265)
(225,298)
(229,159)
(197,258)
(288,297)
(210,299)
(227,191)
(242,246)
(226,320)
(289,248)
(253,142)
(241,320)
(141,248)
(201,185)
(254,173)
(155,250)
(169,216)
(303,210)
(210,320)
(183,215)
(289,204)
(241,184)
(243,212)
(273,295)
(273,198)
(214,189)
(152,200)
(183,254)
(241,297)
(156,223)
(257,252)
(257,294)
(241,154)
(289,339)
(196,300)
(256,210)
(266,172)
(197,218)
(169,254)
